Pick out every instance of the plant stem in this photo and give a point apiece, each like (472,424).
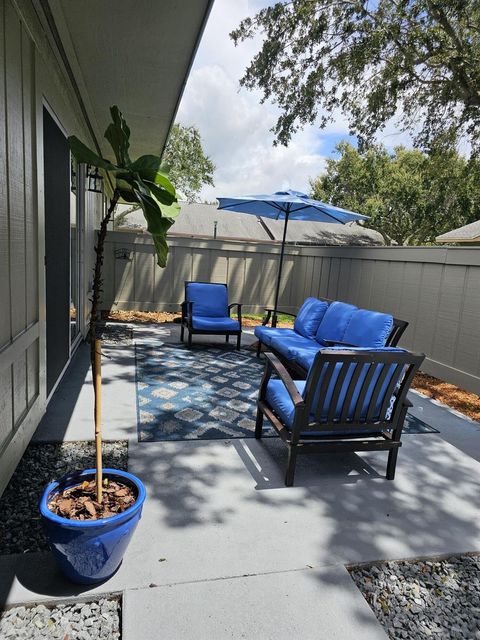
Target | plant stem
(96,345)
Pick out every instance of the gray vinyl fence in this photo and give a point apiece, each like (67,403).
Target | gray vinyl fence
(436,289)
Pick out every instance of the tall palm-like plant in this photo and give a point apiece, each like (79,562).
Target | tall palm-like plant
(143,181)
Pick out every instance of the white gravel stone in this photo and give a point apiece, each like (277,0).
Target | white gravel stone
(58,622)
(428,599)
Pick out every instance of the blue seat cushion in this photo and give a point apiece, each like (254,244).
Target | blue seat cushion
(309,317)
(267,334)
(209,299)
(279,400)
(291,346)
(335,322)
(368,328)
(215,324)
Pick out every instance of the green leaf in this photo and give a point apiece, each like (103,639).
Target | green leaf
(83,154)
(147,167)
(161,248)
(162,195)
(118,135)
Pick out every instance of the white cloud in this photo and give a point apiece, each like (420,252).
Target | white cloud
(235,127)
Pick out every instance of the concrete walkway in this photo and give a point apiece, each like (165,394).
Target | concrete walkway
(225,550)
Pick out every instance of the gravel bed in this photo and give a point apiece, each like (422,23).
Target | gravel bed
(427,599)
(113,333)
(98,620)
(20,526)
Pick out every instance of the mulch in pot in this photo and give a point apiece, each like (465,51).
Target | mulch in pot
(80,502)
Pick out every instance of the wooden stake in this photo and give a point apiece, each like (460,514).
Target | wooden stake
(97,373)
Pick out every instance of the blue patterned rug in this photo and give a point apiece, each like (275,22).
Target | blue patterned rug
(206,393)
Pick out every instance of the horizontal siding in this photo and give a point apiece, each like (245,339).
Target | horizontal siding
(435,289)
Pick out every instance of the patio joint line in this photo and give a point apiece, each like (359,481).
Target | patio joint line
(153,585)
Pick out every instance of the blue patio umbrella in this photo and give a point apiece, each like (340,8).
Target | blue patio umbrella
(286,205)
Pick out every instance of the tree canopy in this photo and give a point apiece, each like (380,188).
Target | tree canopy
(418,60)
(189,168)
(411,197)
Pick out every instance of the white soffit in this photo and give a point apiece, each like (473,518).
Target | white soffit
(133,53)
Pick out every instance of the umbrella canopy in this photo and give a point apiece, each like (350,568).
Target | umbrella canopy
(285,205)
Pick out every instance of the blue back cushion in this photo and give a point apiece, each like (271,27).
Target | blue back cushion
(208,299)
(368,328)
(335,321)
(309,317)
(393,370)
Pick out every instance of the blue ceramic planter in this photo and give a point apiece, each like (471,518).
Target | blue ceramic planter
(90,551)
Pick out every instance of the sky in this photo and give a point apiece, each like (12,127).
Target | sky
(235,127)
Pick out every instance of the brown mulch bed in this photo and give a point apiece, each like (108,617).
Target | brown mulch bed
(154,317)
(463,401)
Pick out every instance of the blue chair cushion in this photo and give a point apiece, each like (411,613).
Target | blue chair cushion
(309,317)
(291,346)
(215,323)
(368,328)
(209,299)
(335,321)
(279,400)
(267,334)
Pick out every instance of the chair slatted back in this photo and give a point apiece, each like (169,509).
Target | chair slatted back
(345,389)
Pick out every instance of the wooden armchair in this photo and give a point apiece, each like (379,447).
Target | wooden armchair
(352,400)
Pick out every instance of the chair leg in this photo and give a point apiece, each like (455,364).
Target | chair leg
(292,461)
(189,339)
(227,338)
(259,424)
(259,348)
(392,463)
(182,332)
(239,341)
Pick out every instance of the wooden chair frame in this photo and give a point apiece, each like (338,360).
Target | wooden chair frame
(300,439)
(187,319)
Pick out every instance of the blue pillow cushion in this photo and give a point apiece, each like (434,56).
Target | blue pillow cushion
(368,328)
(267,334)
(210,300)
(309,317)
(335,321)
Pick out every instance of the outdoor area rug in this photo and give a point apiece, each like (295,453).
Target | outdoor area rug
(206,393)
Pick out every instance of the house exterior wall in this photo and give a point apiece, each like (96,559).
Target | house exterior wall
(436,289)
(29,78)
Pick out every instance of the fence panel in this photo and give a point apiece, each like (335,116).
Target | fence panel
(436,289)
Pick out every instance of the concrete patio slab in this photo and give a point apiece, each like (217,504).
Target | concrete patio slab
(309,604)
(219,526)
(69,415)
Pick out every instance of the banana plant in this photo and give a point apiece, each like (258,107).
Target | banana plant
(143,181)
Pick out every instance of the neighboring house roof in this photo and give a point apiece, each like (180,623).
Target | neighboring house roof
(467,233)
(198,220)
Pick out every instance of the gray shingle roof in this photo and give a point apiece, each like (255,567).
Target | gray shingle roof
(468,233)
(197,220)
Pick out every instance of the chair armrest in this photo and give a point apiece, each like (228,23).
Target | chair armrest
(285,377)
(187,311)
(269,312)
(331,343)
(239,310)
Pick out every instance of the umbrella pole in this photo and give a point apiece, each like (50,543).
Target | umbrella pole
(280,266)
